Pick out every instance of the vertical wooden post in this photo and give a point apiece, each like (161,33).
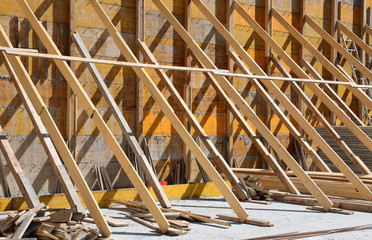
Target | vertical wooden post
(334,18)
(302,50)
(268,28)
(140,34)
(368,37)
(71,97)
(230,67)
(187,93)
(362,53)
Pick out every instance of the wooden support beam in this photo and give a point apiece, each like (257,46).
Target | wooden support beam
(71,97)
(332,93)
(295,133)
(219,160)
(362,33)
(56,137)
(268,27)
(368,30)
(364,47)
(128,134)
(339,163)
(323,60)
(187,92)
(17,52)
(229,38)
(140,34)
(256,140)
(325,98)
(91,111)
(277,146)
(20,177)
(354,158)
(56,163)
(301,105)
(169,112)
(230,67)
(333,58)
(364,70)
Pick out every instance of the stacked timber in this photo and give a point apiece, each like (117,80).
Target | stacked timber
(254,189)
(332,184)
(44,223)
(308,200)
(352,141)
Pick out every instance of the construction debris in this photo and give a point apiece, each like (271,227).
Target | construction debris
(44,223)
(256,193)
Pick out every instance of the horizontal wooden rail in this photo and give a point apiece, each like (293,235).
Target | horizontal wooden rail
(106,62)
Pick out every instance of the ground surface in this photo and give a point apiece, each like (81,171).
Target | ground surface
(287,218)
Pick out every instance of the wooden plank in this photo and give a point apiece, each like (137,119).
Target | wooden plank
(335,7)
(20,177)
(16,52)
(53,157)
(251,221)
(355,38)
(346,120)
(269,158)
(368,30)
(27,221)
(140,34)
(364,70)
(56,137)
(169,231)
(169,112)
(127,132)
(323,60)
(236,97)
(187,93)
(340,164)
(268,27)
(354,158)
(332,93)
(230,66)
(91,110)
(71,97)
(295,133)
(219,160)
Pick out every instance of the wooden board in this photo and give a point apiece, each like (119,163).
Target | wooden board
(362,96)
(332,93)
(248,111)
(330,129)
(221,162)
(355,38)
(127,132)
(91,110)
(169,112)
(56,163)
(20,177)
(326,100)
(56,137)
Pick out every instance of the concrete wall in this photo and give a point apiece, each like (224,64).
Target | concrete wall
(164,143)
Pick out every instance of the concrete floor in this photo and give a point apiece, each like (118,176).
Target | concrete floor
(287,218)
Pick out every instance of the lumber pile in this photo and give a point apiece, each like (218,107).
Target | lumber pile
(254,189)
(308,200)
(44,223)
